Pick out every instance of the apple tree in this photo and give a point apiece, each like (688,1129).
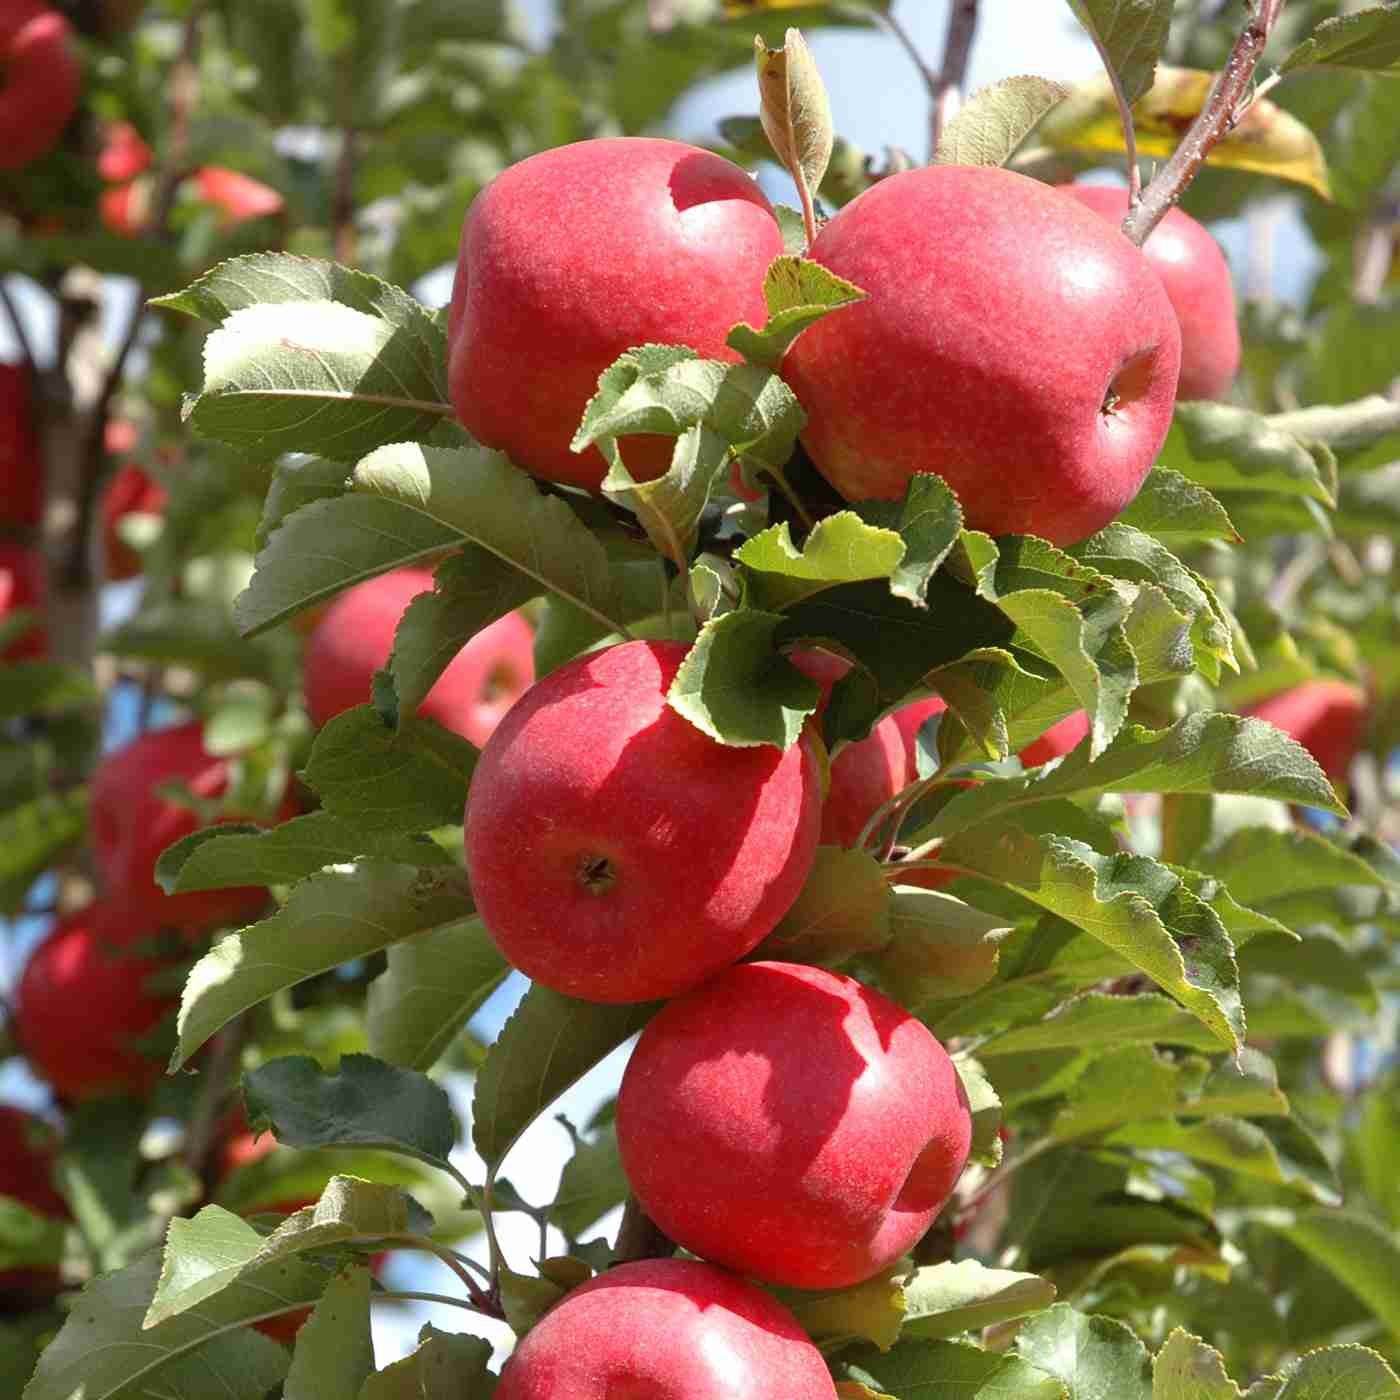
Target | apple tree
(915,658)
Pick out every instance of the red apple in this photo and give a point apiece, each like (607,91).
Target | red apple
(1011,342)
(355,636)
(791,1124)
(131,824)
(579,253)
(23,585)
(618,854)
(864,775)
(129,492)
(27,1149)
(83,1002)
(40,80)
(124,155)
(1197,280)
(1059,739)
(237,197)
(667,1328)
(21,462)
(126,209)
(1327,717)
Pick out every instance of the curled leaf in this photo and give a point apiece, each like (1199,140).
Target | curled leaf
(794,109)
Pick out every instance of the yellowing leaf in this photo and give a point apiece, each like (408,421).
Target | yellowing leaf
(794,109)
(1268,140)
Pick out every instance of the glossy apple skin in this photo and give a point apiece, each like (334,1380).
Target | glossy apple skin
(27,1151)
(579,253)
(666,1329)
(1058,740)
(40,80)
(24,584)
(131,491)
(618,854)
(791,1124)
(83,1000)
(1197,281)
(131,824)
(1327,717)
(355,636)
(999,316)
(21,463)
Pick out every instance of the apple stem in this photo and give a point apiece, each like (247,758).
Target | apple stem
(1223,109)
(1125,118)
(809,212)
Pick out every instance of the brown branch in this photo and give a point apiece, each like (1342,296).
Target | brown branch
(343,200)
(183,90)
(944,84)
(1215,120)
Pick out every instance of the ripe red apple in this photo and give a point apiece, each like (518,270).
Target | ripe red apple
(40,80)
(126,209)
(1011,342)
(124,155)
(131,824)
(237,197)
(618,854)
(1197,280)
(355,636)
(129,492)
(21,463)
(83,1003)
(28,1146)
(1327,717)
(1059,739)
(791,1124)
(579,253)
(666,1328)
(23,584)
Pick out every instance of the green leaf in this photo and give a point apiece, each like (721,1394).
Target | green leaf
(1376,1144)
(1332,1373)
(188,632)
(43,688)
(1173,509)
(922,1370)
(592,1183)
(470,590)
(1187,1369)
(319,377)
(1261,866)
(32,835)
(1099,1021)
(1129,35)
(839,549)
(1135,906)
(1360,1253)
(549,1041)
(799,292)
(1225,448)
(364,1103)
(735,687)
(237,853)
(333,918)
(1202,753)
(477,496)
(938,947)
(410,780)
(1368,39)
(445,1366)
(297,482)
(928,520)
(985,1104)
(28,1240)
(1091,1356)
(334,1352)
(1286,1158)
(996,119)
(945,1299)
(102,1348)
(434,983)
(843,910)
(871,1311)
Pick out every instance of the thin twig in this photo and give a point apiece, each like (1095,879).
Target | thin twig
(26,350)
(183,88)
(343,202)
(944,84)
(1216,119)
